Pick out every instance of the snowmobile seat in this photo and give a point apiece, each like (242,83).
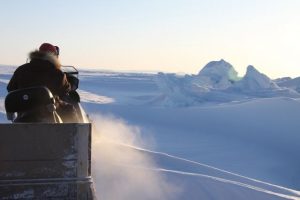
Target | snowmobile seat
(29,100)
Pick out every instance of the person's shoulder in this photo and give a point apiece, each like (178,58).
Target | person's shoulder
(22,67)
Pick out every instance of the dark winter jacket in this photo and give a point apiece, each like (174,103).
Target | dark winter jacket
(42,70)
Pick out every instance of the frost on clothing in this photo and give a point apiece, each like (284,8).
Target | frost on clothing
(42,70)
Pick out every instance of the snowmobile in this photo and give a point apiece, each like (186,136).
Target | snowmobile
(41,157)
(37,104)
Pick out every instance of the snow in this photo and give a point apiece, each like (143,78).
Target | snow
(89,97)
(218,82)
(213,135)
(254,80)
(290,83)
(217,74)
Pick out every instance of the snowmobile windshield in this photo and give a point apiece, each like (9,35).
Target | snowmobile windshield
(70,70)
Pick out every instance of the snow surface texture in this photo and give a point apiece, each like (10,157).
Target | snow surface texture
(214,117)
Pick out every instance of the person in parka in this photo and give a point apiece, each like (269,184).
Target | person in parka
(44,69)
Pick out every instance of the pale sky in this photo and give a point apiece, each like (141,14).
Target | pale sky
(156,35)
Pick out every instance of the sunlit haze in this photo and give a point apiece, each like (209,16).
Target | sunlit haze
(156,35)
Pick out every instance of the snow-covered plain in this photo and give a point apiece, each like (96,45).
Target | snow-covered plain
(213,135)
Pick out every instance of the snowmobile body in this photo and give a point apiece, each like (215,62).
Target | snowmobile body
(41,157)
(37,104)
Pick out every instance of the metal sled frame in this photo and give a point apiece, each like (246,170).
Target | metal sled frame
(45,161)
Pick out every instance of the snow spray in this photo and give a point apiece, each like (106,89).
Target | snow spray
(121,170)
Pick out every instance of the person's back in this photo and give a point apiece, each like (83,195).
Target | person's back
(42,70)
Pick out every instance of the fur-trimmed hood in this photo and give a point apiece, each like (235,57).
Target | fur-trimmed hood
(45,56)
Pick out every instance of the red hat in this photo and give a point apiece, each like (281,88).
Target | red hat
(46,47)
